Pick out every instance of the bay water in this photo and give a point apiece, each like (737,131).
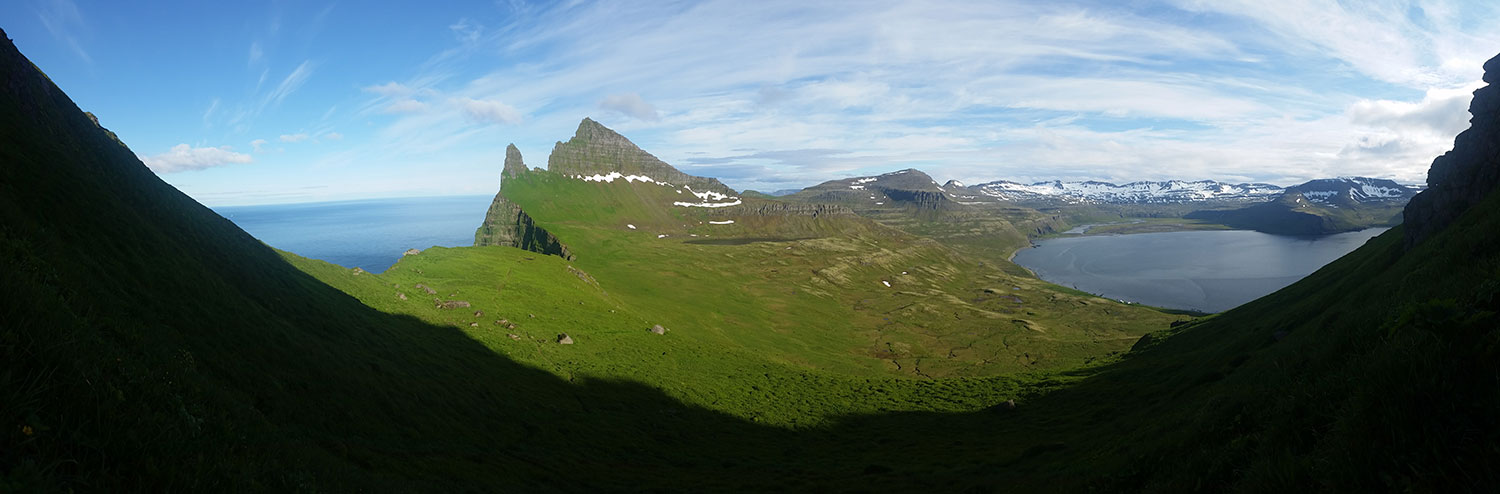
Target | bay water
(1208,271)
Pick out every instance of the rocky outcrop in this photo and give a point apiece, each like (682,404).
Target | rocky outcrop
(514,166)
(597,150)
(784,209)
(1461,178)
(920,199)
(506,224)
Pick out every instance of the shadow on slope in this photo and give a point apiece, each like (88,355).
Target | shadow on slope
(149,344)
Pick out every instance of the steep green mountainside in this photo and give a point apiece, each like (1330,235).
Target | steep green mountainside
(147,344)
(811,286)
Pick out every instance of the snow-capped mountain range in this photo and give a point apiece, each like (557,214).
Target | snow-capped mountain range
(1345,190)
(1327,191)
(1171,191)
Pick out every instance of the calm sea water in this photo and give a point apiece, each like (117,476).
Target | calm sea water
(368,234)
(1210,271)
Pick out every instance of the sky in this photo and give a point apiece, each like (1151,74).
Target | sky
(240,103)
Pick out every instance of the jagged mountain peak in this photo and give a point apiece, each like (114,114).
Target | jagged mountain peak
(514,165)
(598,150)
(592,131)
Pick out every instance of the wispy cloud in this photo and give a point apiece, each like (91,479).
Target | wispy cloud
(405,106)
(258,146)
(630,104)
(1271,90)
(256,54)
(63,20)
(466,30)
(288,85)
(183,157)
(294,137)
(488,111)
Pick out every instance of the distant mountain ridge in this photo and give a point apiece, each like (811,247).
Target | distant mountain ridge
(1330,191)
(1349,190)
(1321,206)
(908,187)
(1144,192)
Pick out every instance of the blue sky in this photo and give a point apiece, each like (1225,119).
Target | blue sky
(269,102)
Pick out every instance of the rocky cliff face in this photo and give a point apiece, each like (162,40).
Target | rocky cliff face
(506,224)
(1462,177)
(514,166)
(783,209)
(597,150)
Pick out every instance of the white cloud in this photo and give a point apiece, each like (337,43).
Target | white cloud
(390,89)
(289,85)
(488,111)
(258,146)
(1415,44)
(971,90)
(405,106)
(466,30)
(333,136)
(256,54)
(1441,111)
(183,157)
(631,105)
(299,137)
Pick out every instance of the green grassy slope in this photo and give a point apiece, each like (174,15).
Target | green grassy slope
(833,292)
(147,344)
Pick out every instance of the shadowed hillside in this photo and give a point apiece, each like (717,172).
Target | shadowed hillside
(147,344)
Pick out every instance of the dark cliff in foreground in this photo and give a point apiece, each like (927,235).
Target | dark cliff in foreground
(1461,178)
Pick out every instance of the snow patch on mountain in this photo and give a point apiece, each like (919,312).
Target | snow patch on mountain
(1171,191)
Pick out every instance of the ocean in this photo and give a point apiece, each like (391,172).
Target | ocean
(368,234)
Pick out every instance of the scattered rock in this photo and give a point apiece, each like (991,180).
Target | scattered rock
(991,291)
(452,304)
(564,339)
(357,271)
(478,313)
(657,329)
(503,321)
(1005,406)
(401,296)
(533,316)
(513,336)
(427,289)
(473,324)
(410,252)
